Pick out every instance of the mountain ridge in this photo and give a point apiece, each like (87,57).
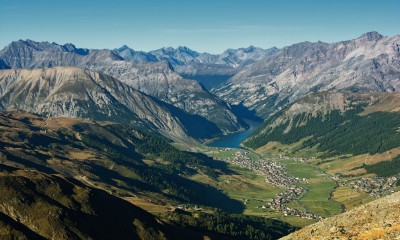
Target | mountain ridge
(335,124)
(369,63)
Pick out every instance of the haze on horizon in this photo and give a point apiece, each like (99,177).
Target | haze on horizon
(205,26)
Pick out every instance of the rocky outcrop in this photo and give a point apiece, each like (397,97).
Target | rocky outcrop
(370,63)
(376,220)
(73,92)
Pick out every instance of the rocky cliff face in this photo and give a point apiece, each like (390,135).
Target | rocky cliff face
(155,79)
(376,220)
(370,63)
(73,92)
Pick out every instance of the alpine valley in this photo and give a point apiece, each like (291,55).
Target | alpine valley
(118,144)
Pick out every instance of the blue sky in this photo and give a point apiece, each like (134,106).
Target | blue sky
(205,26)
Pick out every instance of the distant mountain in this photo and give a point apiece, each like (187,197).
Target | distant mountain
(73,92)
(156,79)
(209,69)
(181,56)
(376,220)
(370,63)
(30,54)
(176,57)
(135,56)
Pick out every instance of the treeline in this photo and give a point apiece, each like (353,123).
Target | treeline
(385,168)
(235,226)
(336,133)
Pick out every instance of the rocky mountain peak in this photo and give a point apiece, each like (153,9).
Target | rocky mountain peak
(124,47)
(250,49)
(69,47)
(370,36)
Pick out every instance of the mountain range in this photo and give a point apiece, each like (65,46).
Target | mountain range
(74,92)
(370,63)
(155,79)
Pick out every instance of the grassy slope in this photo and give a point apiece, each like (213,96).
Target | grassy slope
(111,157)
(319,188)
(37,205)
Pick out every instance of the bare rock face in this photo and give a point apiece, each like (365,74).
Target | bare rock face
(73,92)
(376,220)
(370,63)
(155,79)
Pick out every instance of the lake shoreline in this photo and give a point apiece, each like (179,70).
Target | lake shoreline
(234,140)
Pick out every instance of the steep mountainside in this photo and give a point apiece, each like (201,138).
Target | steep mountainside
(336,124)
(376,220)
(34,205)
(370,63)
(73,92)
(155,79)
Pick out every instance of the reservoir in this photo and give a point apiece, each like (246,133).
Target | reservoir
(234,140)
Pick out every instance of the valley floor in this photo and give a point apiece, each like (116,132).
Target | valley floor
(294,189)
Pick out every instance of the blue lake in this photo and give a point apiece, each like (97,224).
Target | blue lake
(234,140)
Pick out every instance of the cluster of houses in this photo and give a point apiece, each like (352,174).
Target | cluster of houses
(279,204)
(276,175)
(376,187)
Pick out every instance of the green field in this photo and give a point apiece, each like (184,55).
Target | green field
(319,186)
(252,187)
